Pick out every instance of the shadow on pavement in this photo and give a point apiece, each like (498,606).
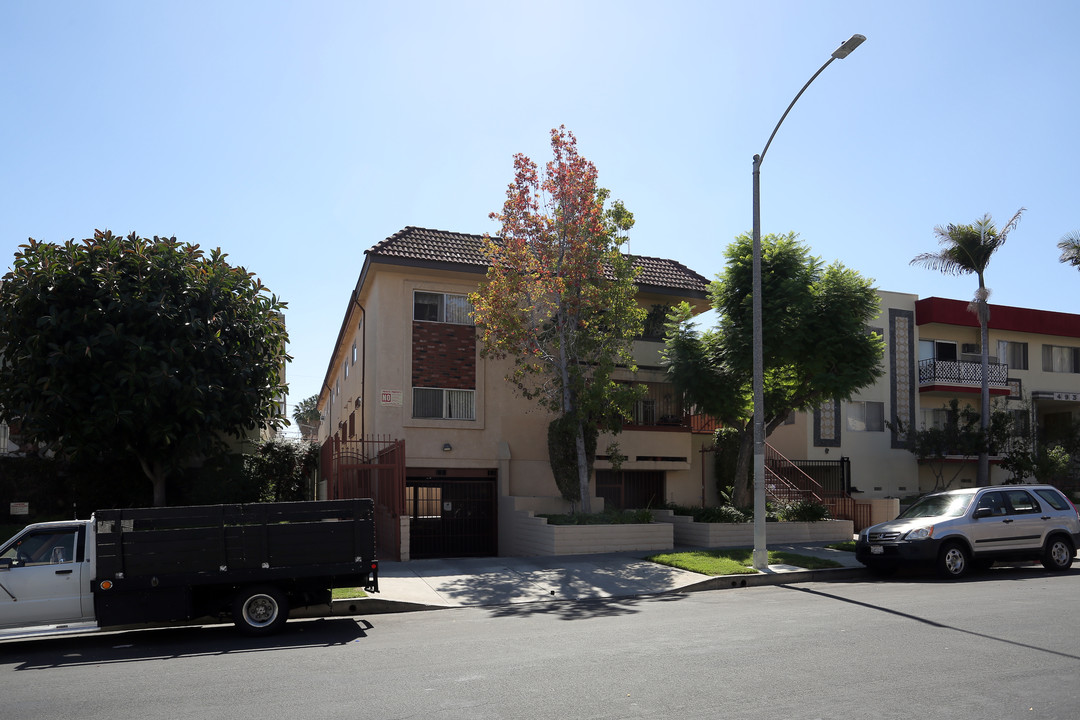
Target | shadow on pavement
(173,643)
(927,621)
(582,609)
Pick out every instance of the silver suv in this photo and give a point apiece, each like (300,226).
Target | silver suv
(957,530)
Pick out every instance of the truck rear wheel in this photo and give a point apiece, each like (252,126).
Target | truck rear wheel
(260,610)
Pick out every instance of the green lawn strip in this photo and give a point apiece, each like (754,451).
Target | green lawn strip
(348,593)
(736,561)
(847,545)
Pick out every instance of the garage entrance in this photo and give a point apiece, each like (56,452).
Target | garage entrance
(452,513)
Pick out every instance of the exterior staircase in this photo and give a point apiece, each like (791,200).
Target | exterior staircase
(787,481)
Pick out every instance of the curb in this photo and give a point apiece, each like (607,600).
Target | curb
(726,582)
(379,606)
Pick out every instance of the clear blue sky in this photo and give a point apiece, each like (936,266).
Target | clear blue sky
(295,135)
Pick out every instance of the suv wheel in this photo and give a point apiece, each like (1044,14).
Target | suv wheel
(1058,554)
(953,561)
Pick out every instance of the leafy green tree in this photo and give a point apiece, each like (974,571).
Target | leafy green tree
(560,300)
(283,470)
(1070,249)
(966,250)
(961,436)
(307,417)
(146,348)
(816,346)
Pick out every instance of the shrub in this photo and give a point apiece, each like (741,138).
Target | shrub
(719,514)
(608,517)
(798,511)
(804,511)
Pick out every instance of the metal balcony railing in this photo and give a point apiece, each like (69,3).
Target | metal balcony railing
(959,372)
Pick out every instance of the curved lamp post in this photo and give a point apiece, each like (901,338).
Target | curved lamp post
(761,554)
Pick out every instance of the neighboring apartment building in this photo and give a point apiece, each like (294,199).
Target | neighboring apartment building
(406,366)
(932,355)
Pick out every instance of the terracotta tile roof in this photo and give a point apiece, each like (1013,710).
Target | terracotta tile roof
(430,248)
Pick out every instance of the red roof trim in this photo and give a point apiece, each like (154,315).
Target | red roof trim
(1002,317)
(952,389)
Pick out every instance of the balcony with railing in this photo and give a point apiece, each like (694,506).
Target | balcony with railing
(961,376)
(662,408)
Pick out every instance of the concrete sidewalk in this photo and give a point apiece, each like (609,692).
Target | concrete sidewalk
(469,582)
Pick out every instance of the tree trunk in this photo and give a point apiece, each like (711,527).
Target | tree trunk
(982,477)
(583,469)
(157,476)
(743,486)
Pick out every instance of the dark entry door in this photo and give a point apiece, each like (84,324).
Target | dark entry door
(451,517)
(630,489)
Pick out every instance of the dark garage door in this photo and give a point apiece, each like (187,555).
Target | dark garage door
(630,489)
(451,516)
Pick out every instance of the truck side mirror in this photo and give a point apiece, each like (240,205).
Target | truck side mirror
(983,512)
(5,564)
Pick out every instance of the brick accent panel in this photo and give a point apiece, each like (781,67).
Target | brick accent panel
(444,356)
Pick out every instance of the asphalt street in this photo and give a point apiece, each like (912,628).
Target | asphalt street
(1003,644)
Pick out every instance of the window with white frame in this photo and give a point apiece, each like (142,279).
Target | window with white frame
(1056,358)
(866,416)
(444,403)
(1021,422)
(935,418)
(943,350)
(442,307)
(1013,354)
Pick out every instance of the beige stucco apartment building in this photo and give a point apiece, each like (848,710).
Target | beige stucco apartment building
(407,396)
(932,355)
(406,366)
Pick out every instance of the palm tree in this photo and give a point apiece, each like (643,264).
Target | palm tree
(1070,249)
(306,415)
(967,249)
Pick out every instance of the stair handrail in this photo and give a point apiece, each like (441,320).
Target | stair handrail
(812,486)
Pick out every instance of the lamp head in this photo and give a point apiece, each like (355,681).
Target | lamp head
(844,50)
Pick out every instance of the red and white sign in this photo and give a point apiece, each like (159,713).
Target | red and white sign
(390,397)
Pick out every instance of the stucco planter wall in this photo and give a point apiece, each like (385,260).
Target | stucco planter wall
(533,536)
(694,534)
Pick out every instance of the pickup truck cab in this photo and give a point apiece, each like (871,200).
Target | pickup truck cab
(41,575)
(251,562)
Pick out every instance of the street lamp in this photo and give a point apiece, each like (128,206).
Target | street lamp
(761,554)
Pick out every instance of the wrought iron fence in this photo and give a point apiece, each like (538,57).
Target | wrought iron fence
(958,372)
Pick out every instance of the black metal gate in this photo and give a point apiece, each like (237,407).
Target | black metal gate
(451,516)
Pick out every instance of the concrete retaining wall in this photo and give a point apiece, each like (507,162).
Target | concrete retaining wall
(719,535)
(532,536)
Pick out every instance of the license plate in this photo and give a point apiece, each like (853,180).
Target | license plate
(877,550)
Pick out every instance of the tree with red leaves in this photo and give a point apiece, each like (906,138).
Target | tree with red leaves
(560,300)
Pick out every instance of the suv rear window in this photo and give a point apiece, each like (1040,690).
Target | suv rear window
(1053,497)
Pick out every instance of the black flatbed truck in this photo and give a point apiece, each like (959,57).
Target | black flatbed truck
(251,562)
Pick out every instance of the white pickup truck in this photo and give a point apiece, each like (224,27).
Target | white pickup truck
(250,562)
